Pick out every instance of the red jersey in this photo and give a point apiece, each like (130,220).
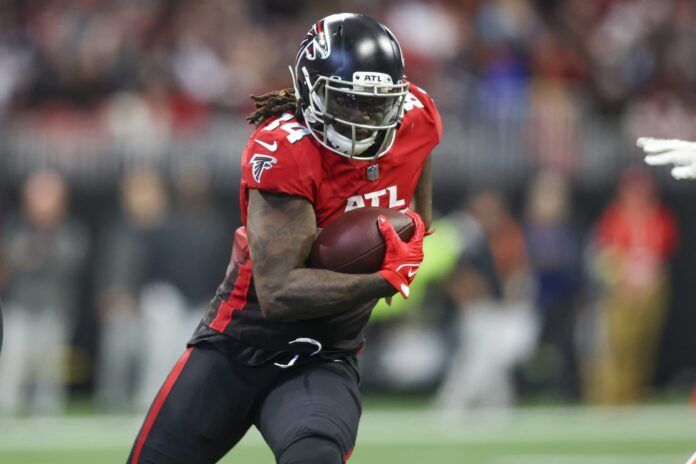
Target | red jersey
(282,156)
(643,243)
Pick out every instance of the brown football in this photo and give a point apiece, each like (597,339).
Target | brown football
(353,244)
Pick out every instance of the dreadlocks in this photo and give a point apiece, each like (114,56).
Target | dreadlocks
(274,104)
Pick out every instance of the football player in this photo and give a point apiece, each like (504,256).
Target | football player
(277,348)
(681,154)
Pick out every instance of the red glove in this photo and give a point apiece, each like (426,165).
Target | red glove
(402,259)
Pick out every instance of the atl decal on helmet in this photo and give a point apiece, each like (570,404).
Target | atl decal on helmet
(260,163)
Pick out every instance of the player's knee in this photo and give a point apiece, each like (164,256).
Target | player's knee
(311,450)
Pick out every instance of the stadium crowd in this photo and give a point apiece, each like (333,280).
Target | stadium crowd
(543,292)
(101,65)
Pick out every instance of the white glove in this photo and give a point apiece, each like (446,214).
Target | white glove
(680,153)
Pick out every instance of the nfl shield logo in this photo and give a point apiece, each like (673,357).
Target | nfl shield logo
(373,172)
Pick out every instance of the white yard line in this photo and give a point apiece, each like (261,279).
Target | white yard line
(587,459)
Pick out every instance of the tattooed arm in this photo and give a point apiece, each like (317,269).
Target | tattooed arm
(281,230)
(423,197)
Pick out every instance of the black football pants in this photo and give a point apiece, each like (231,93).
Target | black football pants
(307,413)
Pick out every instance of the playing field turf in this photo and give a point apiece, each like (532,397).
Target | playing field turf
(641,435)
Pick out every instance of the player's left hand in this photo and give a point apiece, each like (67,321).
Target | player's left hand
(402,259)
(680,153)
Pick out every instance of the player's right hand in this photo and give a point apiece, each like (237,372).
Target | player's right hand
(402,259)
(680,153)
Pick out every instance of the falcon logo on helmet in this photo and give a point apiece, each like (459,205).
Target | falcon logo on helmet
(260,163)
(315,42)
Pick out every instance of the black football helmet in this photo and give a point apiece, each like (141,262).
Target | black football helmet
(349,80)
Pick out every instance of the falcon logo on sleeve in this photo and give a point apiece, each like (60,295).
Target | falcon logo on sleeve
(260,163)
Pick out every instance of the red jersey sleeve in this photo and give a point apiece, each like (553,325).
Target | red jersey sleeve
(269,164)
(429,112)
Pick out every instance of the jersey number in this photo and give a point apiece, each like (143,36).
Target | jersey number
(412,102)
(295,130)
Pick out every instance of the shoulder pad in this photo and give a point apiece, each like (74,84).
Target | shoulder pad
(420,105)
(279,157)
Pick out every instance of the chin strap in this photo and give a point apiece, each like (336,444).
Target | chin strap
(344,144)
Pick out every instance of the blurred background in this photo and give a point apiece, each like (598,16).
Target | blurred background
(556,301)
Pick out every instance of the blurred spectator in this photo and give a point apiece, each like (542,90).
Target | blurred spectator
(124,265)
(197,55)
(191,249)
(635,238)
(553,247)
(43,255)
(472,286)
(189,252)
(496,327)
